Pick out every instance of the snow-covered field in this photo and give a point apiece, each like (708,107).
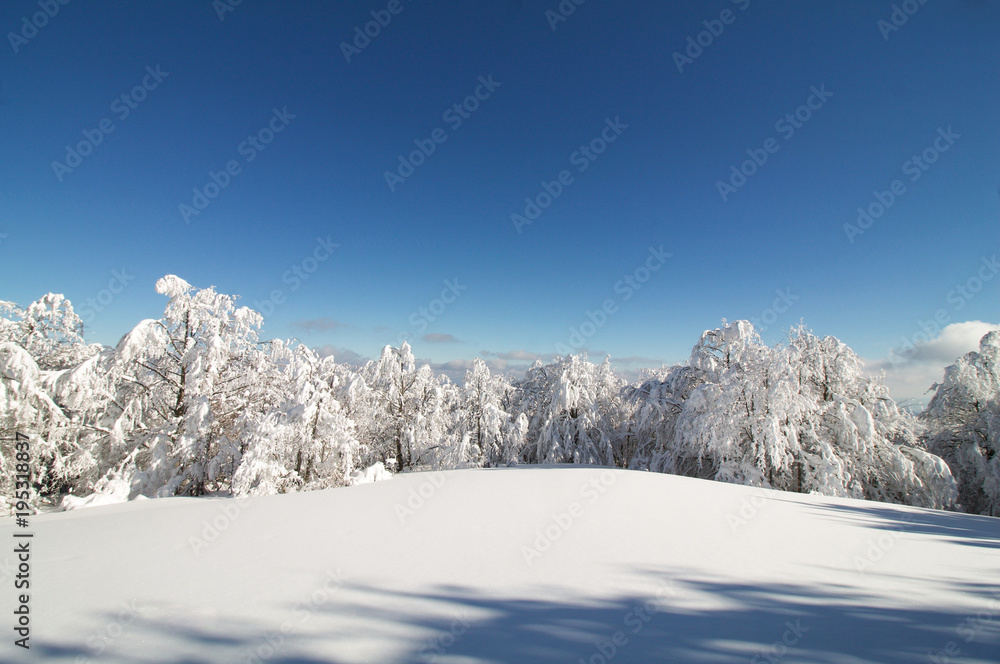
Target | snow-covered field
(527,564)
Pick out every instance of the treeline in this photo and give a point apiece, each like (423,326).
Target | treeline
(196,403)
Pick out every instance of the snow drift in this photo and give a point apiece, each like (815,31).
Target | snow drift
(528,564)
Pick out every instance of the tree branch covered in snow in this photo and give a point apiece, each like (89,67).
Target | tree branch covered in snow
(196,403)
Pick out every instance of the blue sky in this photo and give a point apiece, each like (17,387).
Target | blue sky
(886,95)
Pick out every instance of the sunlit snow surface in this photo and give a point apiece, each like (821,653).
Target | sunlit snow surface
(636,567)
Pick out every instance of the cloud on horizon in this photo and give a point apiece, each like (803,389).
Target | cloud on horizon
(910,374)
(324,324)
(438,338)
(342,355)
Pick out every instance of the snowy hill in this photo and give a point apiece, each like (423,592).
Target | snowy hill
(528,564)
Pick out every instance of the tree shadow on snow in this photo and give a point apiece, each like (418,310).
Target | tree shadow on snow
(790,623)
(963,529)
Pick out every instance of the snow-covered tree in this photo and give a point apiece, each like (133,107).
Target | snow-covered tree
(491,430)
(802,417)
(571,407)
(964,422)
(654,406)
(436,435)
(388,405)
(49,330)
(184,381)
(877,447)
(85,394)
(194,403)
(37,345)
(57,460)
(305,440)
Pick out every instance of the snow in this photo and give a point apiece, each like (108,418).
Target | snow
(525,564)
(113,491)
(172,286)
(17,364)
(373,473)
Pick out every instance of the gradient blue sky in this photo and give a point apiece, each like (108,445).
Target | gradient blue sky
(323,176)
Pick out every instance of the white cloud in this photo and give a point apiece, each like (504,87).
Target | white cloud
(913,372)
(517,355)
(639,360)
(455,369)
(342,355)
(438,338)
